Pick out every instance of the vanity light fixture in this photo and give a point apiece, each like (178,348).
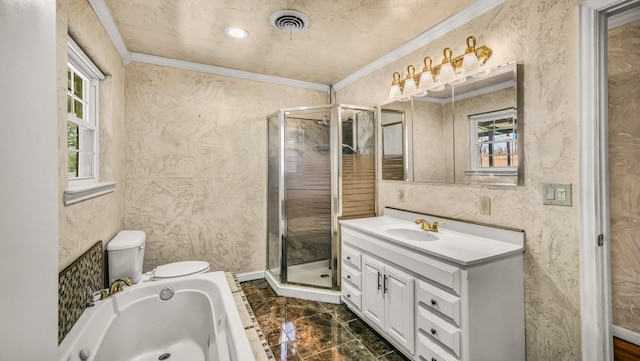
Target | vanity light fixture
(235,32)
(452,70)
(395,92)
(410,86)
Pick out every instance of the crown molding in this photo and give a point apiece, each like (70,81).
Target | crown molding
(465,15)
(470,12)
(102,12)
(203,68)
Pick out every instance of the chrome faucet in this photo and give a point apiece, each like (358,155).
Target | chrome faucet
(428,227)
(117,286)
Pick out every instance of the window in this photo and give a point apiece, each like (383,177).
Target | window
(83,79)
(494,142)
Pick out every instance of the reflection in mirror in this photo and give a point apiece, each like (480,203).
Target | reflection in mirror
(486,128)
(433,137)
(393,121)
(468,133)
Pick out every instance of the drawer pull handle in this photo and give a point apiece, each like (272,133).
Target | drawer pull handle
(433,359)
(433,302)
(348,258)
(349,296)
(433,331)
(348,277)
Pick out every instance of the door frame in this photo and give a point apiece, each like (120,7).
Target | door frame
(595,258)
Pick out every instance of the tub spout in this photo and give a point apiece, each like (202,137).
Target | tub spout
(118,285)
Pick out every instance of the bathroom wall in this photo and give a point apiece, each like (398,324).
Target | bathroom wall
(542,35)
(624,172)
(196,157)
(83,224)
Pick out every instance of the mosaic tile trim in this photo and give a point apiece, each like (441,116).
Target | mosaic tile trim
(76,283)
(254,329)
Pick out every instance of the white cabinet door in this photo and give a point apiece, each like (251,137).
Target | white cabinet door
(372,290)
(399,307)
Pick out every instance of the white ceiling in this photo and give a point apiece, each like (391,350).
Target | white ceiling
(343,37)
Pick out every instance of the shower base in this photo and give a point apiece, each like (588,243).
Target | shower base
(311,273)
(306,293)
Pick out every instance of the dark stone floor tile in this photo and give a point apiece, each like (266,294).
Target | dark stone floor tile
(285,351)
(316,333)
(340,312)
(394,356)
(286,308)
(353,350)
(369,338)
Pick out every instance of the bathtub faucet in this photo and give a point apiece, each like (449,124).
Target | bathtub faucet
(118,285)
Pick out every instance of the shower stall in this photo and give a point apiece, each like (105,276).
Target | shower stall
(321,169)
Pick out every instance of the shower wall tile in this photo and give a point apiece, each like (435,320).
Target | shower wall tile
(624,172)
(542,36)
(195,164)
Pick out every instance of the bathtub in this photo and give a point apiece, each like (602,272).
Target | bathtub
(200,322)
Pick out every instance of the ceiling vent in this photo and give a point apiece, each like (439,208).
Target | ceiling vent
(289,20)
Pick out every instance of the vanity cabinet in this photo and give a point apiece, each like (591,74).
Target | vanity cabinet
(387,300)
(434,308)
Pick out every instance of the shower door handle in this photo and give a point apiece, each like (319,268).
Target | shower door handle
(379,285)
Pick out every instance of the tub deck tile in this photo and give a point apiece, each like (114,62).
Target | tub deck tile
(257,339)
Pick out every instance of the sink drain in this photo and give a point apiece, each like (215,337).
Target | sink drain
(164,356)
(324,275)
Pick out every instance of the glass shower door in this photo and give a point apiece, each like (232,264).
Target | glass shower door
(307,173)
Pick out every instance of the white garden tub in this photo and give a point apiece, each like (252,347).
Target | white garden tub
(200,322)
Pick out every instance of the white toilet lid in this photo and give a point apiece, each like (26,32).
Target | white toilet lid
(178,269)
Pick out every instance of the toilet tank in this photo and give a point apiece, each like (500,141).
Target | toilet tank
(126,252)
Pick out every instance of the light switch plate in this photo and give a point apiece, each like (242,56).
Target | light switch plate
(556,194)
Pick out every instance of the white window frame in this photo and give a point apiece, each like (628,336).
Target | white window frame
(473,141)
(82,188)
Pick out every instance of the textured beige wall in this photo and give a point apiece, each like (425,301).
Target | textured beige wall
(624,172)
(82,224)
(196,156)
(542,36)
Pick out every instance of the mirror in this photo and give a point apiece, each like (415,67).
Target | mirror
(469,132)
(394,144)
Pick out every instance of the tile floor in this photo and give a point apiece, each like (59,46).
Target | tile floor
(314,331)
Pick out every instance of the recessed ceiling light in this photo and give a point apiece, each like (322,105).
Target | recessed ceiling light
(234,32)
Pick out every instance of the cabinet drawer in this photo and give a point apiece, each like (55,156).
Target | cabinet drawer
(352,258)
(440,330)
(352,296)
(429,351)
(351,276)
(440,301)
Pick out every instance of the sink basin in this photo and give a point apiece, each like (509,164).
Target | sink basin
(411,234)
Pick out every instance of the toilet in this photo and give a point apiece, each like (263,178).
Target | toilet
(126,253)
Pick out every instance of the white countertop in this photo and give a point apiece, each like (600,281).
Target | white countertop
(464,248)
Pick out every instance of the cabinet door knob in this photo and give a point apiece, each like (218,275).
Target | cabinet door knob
(433,302)
(433,331)
(348,296)
(433,359)
(348,258)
